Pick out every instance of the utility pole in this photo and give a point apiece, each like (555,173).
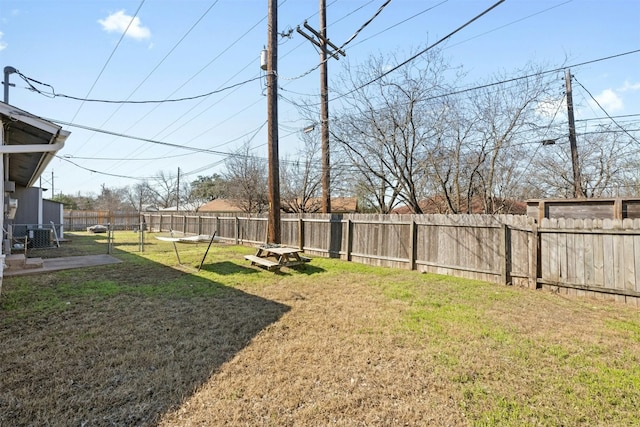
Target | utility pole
(273,179)
(577,180)
(322,43)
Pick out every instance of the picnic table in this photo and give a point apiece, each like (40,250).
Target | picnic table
(273,257)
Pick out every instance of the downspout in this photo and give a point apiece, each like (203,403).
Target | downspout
(2,233)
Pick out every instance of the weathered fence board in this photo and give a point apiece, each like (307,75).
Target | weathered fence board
(600,255)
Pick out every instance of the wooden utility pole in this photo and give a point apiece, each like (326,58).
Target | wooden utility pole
(322,42)
(324,110)
(577,180)
(273,180)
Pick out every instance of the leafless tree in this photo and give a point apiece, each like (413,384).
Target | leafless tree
(608,161)
(506,119)
(387,124)
(246,176)
(300,178)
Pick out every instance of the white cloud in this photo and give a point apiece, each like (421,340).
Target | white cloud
(118,23)
(610,101)
(629,86)
(3,45)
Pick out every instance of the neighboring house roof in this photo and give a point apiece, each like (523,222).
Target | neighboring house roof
(338,205)
(220,205)
(31,141)
(189,207)
(438,205)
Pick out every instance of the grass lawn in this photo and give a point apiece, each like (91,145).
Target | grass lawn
(149,342)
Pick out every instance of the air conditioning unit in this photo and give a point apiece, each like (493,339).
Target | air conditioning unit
(10,208)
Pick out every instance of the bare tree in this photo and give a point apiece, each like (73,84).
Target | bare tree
(300,179)
(608,165)
(246,176)
(386,128)
(162,189)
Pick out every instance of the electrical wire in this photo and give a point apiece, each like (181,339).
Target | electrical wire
(149,101)
(104,67)
(605,111)
(102,173)
(153,70)
(363,26)
(315,67)
(120,159)
(405,62)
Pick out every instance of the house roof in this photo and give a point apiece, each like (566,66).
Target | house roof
(219,205)
(338,204)
(32,142)
(438,204)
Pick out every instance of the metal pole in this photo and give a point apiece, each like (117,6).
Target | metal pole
(7,71)
(272,126)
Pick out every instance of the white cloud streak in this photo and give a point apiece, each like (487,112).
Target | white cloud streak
(3,45)
(629,87)
(610,101)
(117,23)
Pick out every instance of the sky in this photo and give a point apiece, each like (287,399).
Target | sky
(208,51)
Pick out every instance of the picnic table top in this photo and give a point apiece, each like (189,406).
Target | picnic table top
(280,250)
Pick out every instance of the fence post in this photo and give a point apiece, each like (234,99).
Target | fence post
(412,244)
(534,255)
(300,233)
(237,236)
(349,238)
(504,256)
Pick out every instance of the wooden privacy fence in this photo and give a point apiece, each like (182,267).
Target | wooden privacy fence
(78,220)
(591,257)
(484,247)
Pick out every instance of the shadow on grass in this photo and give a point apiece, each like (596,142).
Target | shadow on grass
(227,268)
(118,345)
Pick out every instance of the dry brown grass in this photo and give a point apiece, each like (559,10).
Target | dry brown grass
(146,342)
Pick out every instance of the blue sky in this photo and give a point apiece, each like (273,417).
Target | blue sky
(177,49)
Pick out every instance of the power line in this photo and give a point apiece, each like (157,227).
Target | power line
(402,64)
(315,67)
(402,22)
(126,101)
(175,46)
(363,26)
(122,159)
(605,111)
(511,80)
(608,117)
(102,173)
(104,67)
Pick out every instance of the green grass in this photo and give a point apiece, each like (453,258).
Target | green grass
(508,356)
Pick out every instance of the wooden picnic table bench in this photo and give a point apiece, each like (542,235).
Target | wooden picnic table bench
(273,257)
